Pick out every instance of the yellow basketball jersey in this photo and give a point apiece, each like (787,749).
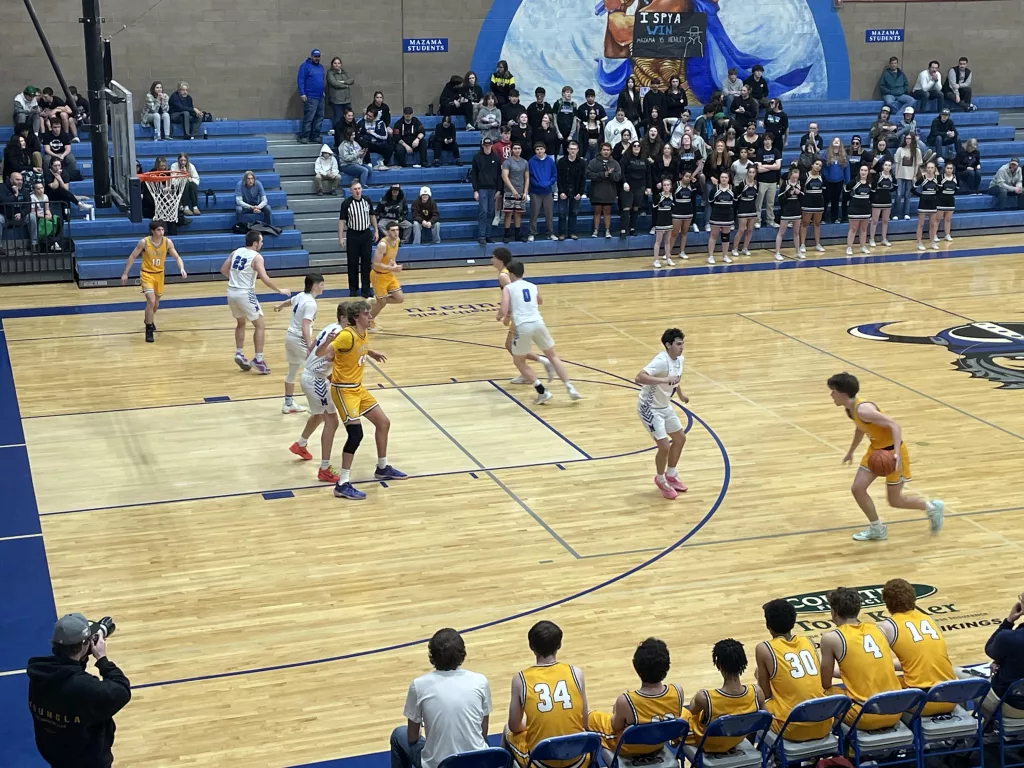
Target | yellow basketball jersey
(349,358)
(921,649)
(866,663)
(552,702)
(648,708)
(390,253)
(722,703)
(880,437)
(154,256)
(796,678)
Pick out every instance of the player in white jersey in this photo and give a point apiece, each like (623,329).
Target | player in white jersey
(659,382)
(299,336)
(317,389)
(241,269)
(500,259)
(520,302)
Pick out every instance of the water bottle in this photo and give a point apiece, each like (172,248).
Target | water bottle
(205,134)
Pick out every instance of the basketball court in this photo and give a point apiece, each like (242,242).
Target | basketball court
(263,622)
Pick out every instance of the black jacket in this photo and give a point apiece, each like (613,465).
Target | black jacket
(758,88)
(11,203)
(449,94)
(535,113)
(631,104)
(73,711)
(510,112)
(408,132)
(572,176)
(389,208)
(964,159)
(636,171)
(485,172)
(940,128)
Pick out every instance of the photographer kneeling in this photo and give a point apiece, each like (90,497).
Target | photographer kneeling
(72,710)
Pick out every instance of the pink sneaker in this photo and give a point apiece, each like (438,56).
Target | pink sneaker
(260,367)
(666,490)
(675,482)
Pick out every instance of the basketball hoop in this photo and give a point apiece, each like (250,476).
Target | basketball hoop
(166,187)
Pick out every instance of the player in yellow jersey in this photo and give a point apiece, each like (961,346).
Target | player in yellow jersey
(154,251)
(384,273)
(348,349)
(733,698)
(788,672)
(500,259)
(917,642)
(653,701)
(883,434)
(862,653)
(548,699)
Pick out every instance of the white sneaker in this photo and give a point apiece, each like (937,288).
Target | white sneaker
(873,244)
(865,250)
(746,251)
(573,394)
(727,258)
(949,238)
(669,262)
(935,245)
(878,532)
(652,230)
(920,247)
(554,237)
(529,238)
(595,233)
(520,379)
(803,249)
(543,397)
(695,228)
(757,225)
(683,256)
(549,369)
(735,253)
(819,248)
(774,225)
(801,255)
(887,244)
(657,264)
(496,221)
(707,227)
(778,256)
(936,510)
(711,259)
(849,251)
(906,217)
(607,235)
(293,408)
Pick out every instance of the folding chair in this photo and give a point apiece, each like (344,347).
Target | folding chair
(745,754)
(1009,729)
(786,751)
(493,757)
(897,738)
(571,747)
(959,725)
(652,734)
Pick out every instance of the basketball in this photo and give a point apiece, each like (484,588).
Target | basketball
(882,462)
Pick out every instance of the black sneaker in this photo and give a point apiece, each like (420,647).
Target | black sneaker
(482,240)
(489,239)
(149,333)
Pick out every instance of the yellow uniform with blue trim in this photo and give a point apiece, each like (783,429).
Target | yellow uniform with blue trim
(796,678)
(511,325)
(384,282)
(881,439)
(866,668)
(721,703)
(921,649)
(643,708)
(553,705)
(154,257)
(347,391)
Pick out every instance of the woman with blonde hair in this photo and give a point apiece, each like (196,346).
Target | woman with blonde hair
(190,197)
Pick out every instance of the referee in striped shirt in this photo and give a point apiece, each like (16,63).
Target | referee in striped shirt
(357,217)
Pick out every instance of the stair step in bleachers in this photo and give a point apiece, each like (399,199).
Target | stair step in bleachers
(224,202)
(216,181)
(218,242)
(236,164)
(118,226)
(240,145)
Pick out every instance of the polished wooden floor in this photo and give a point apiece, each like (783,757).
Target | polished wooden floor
(152,506)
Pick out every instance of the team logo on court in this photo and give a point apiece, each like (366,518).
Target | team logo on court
(871,597)
(993,351)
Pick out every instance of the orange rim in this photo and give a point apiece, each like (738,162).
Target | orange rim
(158,176)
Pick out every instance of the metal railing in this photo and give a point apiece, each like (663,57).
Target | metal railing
(33,251)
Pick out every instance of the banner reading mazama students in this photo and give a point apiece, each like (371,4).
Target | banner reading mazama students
(666,35)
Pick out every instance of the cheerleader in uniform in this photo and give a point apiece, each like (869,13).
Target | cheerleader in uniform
(682,213)
(791,197)
(746,211)
(946,199)
(812,207)
(881,202)
(859,210)
(927,206)
(663,222)
(722,215)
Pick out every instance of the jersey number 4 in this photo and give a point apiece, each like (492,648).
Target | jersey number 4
(870,646)
(239,262)
(801,664)
(547,698)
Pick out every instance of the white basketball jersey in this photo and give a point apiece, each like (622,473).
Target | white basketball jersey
(303,308)
(241,275)
(319,367)
(660,395)
(523,303)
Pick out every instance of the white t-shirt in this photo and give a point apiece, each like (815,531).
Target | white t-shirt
(241,275)
(319,367)
(303,308)
(523,302)
(660,395)
(452,706)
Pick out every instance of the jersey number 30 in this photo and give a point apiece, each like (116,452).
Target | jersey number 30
(547,698)
(239,262)
(801,664)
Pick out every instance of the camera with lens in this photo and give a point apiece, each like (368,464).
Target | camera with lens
(104,627)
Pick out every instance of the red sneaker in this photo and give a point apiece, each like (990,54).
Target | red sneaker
(328,475)
(676,483)
(301,452)
(666,490)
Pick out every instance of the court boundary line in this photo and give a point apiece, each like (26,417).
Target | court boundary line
(895,293)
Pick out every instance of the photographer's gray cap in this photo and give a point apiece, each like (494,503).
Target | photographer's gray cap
(71,629)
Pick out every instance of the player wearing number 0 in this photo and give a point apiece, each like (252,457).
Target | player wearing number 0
(322,410)
(864,658)
(653,701)
(733,698)
(520,301)
(384,274)
(788,672)
(917,642)
(659,382)
(500,259)
(883,434)
(298,340)
(548,699)
(154,250)
(241,269)
(348,349)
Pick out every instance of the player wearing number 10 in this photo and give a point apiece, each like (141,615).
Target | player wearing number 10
(154,250)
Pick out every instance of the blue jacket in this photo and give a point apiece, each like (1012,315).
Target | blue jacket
(311,80)
(543,175)
(835,172)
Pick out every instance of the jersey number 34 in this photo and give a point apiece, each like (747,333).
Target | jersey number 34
(547,697)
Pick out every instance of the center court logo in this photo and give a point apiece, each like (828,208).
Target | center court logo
(445,310)
(871,597)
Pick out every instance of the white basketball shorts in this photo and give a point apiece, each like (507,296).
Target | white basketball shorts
(318,394)
(528,334)
(245,305)
(659,422)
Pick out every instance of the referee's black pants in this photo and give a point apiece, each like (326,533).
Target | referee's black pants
(359,255)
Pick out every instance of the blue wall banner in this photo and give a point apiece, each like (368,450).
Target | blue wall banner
(883,35)
(425,45)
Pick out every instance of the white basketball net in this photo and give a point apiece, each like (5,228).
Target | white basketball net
(166,197)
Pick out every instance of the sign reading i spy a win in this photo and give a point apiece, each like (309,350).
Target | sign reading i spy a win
(664,35)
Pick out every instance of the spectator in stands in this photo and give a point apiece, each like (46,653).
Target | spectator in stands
(311,81)
(18,157)
(738,169)
(836,172)
(346,124)
(1006,186)
(808,155)
(730,139)
(58,186)
(515,177)
(623,146)
(566,122)
(251,198)
(604,175)
(51,106)
(769,164)
(445,139)
(654,100)
(352,157)
(636,188)
(538,108)
(1006,649)
(425,216)
(675,99)
(530,715)
(958,86)
(630,101)
(502,84)
(906,165)
(543,178)
(326,174)
(651,145)
(788,672)
(719,161)
(812,135)
(26,109)
(393,208)
(665,165)
(572,180)
(758,86)
(14,212)
(156,112)
(968,166)
(383,110)
(928,88)
(522,132)
(875,158)
(451,703)
(883,127)
(474,97)
(590,103)
(546,134)
(185,112)
(511,110)
(731,698)
(454,100)
(731,89)
(704,126)
(744,109)
(776,122)
(591,135)
(190,196)
(750,138)
(81,105)
(339,90)
(894,87)
(42,220)
(485,176)
(57,144)
(613,130)
(943,136)
(411,137)
(373,137)
(908,125)
(677,127)
(488,118)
